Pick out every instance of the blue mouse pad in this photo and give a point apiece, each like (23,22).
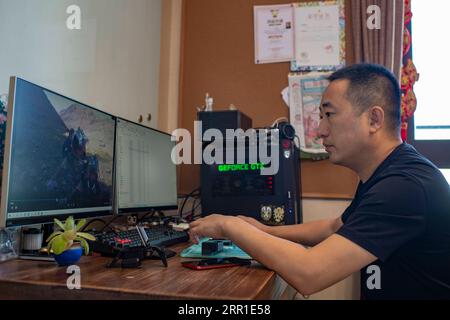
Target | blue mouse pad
(233,251)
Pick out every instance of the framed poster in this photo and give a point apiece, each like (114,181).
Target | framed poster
(319,36)
(305,94)
(274,33)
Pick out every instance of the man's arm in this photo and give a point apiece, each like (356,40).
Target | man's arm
(307,270)
(307,234)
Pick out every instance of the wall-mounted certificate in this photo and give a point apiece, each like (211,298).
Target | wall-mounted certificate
(319,36)
(274,33)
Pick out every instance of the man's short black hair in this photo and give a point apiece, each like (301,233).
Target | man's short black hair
(373,85)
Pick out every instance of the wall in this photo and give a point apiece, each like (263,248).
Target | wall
(111,63)
(218,57)
(169,79)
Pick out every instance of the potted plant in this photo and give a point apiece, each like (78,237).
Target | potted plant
(68,243)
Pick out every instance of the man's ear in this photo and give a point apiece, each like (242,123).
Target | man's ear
(376,118)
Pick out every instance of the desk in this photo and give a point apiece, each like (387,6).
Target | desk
(24,279)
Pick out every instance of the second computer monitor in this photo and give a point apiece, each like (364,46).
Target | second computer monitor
(145,174)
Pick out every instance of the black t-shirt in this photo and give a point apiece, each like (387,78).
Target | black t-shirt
(402,216)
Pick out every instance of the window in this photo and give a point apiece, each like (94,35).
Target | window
(446,173)
(429,130)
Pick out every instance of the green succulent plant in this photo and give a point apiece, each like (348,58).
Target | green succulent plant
(61,240)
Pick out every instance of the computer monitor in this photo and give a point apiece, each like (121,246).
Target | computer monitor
(145,174)
(59,158)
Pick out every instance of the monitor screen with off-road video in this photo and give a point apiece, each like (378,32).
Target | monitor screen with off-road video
(59,157)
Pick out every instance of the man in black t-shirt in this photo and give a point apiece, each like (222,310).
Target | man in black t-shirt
(397,228)
(401,215)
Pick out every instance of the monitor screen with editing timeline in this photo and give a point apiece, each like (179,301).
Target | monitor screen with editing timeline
(59,158)
(146,176)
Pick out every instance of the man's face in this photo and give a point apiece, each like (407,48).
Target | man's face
(344,132)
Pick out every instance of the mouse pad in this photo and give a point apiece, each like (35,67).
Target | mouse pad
(233,251)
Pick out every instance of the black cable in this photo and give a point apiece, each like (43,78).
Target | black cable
(151,213)
(195,197)
(109,222)
(186,198)
(183,196)
(90,222)
(190,216)
(197,216)
(193,207)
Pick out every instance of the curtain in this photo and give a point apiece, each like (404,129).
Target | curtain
(382,46)
(390,46)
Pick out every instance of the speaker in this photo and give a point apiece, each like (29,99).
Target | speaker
(223,120)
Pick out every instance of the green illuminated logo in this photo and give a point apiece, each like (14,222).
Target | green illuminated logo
(240,167)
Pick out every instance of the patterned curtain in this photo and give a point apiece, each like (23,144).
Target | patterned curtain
(409,73)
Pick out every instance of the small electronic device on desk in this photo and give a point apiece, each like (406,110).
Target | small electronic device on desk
(214,248)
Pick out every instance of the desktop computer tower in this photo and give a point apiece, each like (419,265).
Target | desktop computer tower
(240,189)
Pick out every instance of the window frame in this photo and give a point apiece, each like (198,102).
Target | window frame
(438,151)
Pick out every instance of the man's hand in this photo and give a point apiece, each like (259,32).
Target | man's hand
(255,223)
(212,226)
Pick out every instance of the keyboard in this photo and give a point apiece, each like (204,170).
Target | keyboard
(158,236)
